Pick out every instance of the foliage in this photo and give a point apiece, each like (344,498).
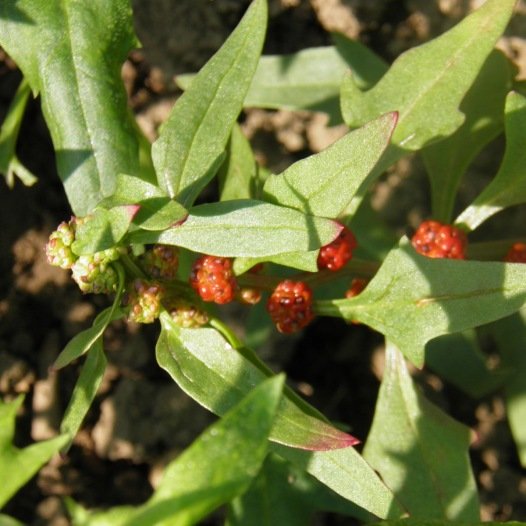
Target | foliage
(272,458)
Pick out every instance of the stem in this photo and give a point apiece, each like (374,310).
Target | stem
(131,267)
(491,250)
(355,268)
(257,281)
(232,339)
(326,308)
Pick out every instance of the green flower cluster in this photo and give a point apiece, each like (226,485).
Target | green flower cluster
(148,276)
(93,272)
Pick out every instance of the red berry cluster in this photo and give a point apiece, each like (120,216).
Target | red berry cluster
(337,253)
(290,306)
(516,254)
(213,279)
(437,240)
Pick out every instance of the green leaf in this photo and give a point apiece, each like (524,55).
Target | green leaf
(17,466)
(420,452)
(245,228)
(347,473)
(238,174)
(197,131)
(284,495)
(458,359)
(309,79)
(218,466)
(74,62)
(306,261)
(427,83)
(420,522)
(217,376)
(10,166)
(85,340)
(103,229)
(5,520)
(325,183)
(514,363)
(156,210)
(84,391)
(367,67)
(447,160)
(214,374)
(413,299)
(508,188)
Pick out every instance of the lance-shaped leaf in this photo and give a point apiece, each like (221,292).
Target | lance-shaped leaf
(285,495)
(85,340)
(210,371)
(246,228)
(427,84)
(510,336)
(218,466)
(458,359)
(103,229)
(306,261)
(420,452)
(10,166)
(238,175)
(17,466)
(508,188)
(74,62)
(309,79)
(214,374)
(441,522)
(186,154)
(325,183)
(156,211)
(84,391)
(5,520)
(447,160)
(413,299)
(347,473)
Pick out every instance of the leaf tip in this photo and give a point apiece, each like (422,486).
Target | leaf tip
(340,440)
(132,210)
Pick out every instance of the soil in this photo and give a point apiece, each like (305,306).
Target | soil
(140,418)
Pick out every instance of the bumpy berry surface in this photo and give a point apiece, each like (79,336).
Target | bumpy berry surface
(337,253)
(58,247)
(516,254)
(143,301)
(185,314)
(213,279)
(160,262)
(437,240)
(93,273)
(290,306)
(357,286)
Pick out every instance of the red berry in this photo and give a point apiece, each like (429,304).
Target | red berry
(337,253)
(516,254)
(213,279)
(357,285)
(290,306)
(437,240)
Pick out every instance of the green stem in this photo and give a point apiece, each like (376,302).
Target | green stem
(355,268)
(326,308)
(131,267)
(491,250)
(232,339)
